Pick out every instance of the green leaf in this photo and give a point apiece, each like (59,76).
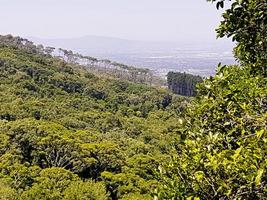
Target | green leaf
(260,133)
(258,177)
(199,175)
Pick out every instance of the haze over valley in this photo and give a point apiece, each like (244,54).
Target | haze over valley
(199,58)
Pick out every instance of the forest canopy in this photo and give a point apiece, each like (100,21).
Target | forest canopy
(69,134)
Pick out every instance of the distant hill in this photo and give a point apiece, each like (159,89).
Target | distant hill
(93,44)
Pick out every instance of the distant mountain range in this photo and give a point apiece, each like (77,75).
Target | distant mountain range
(197,58)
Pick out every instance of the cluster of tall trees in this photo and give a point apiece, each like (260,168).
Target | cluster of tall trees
(22,43)
(183,83)
(107,67)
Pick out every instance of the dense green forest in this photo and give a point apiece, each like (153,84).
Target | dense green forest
(63,128)
(183,83)
(69,133)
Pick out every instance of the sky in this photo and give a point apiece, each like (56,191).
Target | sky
(156,20)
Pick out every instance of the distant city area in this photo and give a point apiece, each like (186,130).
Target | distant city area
(161,57)
(198,62)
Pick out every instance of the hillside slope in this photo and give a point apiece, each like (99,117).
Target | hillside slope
(65,132)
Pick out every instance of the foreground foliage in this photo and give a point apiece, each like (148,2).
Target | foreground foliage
(223,147)
(222,154)
(245,22)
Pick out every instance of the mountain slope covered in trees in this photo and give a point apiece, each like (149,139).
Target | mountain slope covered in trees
(67,134)
(96,66)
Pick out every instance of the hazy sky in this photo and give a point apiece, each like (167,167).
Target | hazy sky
(173,20)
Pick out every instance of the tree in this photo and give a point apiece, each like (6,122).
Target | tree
(50,185)
(6,192)
(245,21)
(222,148)
(88,190)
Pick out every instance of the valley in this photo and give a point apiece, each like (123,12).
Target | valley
(160,57)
